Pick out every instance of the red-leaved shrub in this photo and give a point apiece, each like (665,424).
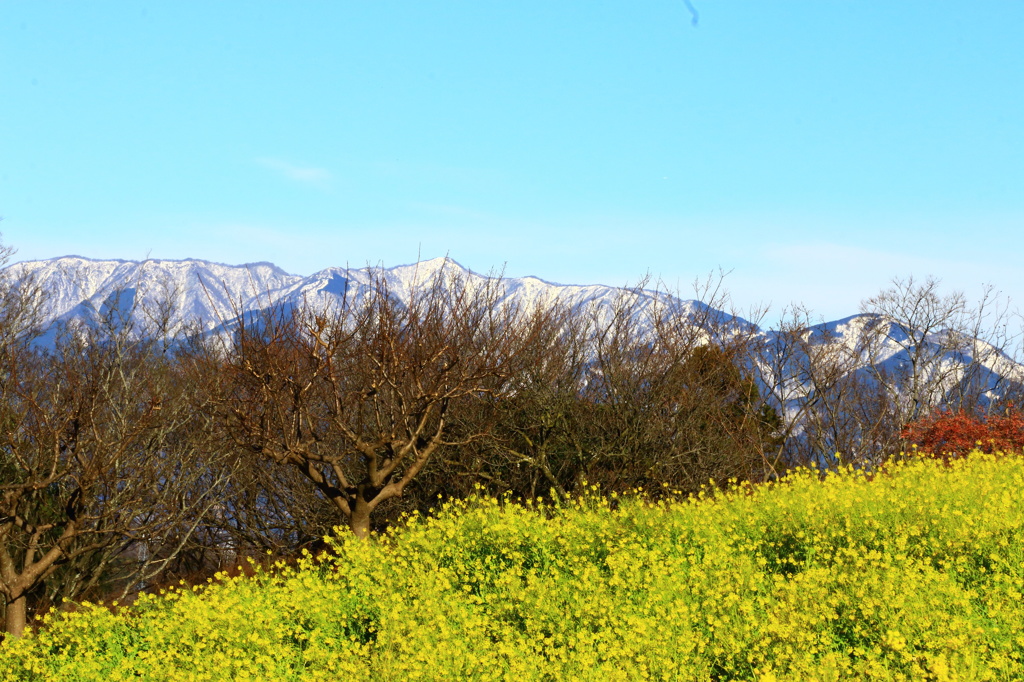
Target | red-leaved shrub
(945,432)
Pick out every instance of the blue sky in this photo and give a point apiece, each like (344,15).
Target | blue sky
(814,149)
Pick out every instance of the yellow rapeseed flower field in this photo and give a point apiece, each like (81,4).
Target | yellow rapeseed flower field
(913,572)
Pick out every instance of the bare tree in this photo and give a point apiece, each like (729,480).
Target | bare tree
(357,398)
(649,390)
(848,388)
(98,452)
(710,407)
(910,337)
(529,449)
(928,350)
(815,373)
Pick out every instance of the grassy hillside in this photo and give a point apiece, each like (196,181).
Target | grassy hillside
(917,574)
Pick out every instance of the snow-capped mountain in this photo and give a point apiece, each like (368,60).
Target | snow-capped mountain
(198,289)
(214,294)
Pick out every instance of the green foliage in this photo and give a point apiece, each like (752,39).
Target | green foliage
(913,572)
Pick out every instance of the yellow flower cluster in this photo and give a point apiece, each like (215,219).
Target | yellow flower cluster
(913,572)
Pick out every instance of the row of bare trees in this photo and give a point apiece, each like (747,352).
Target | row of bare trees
(847,389)
(132,454)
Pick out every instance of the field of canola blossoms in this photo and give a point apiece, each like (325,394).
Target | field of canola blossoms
(917,574)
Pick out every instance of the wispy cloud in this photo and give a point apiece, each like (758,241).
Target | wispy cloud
(308,175)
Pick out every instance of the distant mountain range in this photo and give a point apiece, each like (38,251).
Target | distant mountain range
(211,292)
(79,287)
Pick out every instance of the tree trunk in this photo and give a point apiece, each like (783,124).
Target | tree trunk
(359,521)
(15,616)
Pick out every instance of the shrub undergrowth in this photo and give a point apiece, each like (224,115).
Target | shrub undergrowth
(915,572)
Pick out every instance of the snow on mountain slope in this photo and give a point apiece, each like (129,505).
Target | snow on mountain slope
(889,346)
(214,294)
(198,289)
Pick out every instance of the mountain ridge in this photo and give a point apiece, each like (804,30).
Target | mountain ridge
(216,293)
(210,291)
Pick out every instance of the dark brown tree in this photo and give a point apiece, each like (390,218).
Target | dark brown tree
(650,390)
(358,397)
(100,478)
(673,401)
